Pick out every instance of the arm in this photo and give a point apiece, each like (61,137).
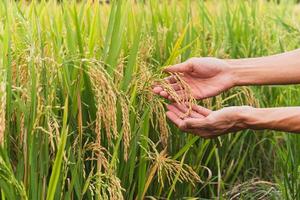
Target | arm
(210,124)
(277,69)
(281,119)
(208,77)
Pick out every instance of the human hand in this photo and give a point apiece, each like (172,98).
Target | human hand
(206,77)
(206,123)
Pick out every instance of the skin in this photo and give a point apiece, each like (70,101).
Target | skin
(208,77)
(203,75)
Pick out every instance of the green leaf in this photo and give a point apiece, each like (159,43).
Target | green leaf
(56,170)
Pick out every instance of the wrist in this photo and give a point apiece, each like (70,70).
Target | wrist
(241,74)
(239,116)
(255,118)
(245,72)
(244,117)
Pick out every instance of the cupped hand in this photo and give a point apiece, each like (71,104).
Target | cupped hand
(206,123)
(206,77)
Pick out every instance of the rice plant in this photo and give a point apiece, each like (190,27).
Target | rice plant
(78,119)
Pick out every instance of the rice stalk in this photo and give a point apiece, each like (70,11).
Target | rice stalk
(7,176)
(107,97)
(187,98)
(110,186)
(255,189)
(2,109)
(144,82)
(44,47)
(106,103)
(118,75)
(158,111)
(105,184)
(100,154)
(164,166)
(125,125)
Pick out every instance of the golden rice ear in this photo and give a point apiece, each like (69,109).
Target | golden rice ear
(188,99)
(159,121)
(166,167)
(108,98)
(146,50)
(144,80)
(241,95)
(100,154)
(157,104)
(118,74)
(261,188)
(105,182)
(110,185)
(250,99)
(125,125)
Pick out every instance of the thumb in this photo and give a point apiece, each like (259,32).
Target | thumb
(181,67)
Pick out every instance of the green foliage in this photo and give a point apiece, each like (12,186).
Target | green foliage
(77,76)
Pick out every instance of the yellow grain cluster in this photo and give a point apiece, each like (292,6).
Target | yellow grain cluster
(186,98)
(108,98)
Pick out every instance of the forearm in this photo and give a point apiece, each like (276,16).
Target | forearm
(281,119)
(271,70)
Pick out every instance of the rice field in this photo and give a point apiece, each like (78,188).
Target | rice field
(78,119)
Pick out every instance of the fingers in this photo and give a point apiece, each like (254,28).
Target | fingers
(183,95)
(198,111)
(175,119)
(184,108)
(160,90)
(177,114)
(176,86)
(187,124)
(181,67)
(201,110)
(157,89)
(170,79)
(164,94)
(176,111)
